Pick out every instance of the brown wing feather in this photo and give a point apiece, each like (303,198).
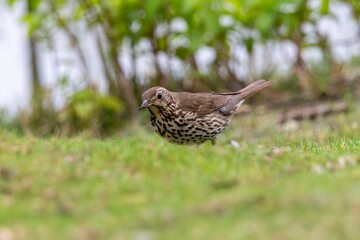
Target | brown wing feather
(201,103)
(205,103)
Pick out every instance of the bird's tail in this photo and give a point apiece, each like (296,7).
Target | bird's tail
(239,96)
(250,89)
(253,88)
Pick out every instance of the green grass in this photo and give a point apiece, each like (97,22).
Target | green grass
(278,184)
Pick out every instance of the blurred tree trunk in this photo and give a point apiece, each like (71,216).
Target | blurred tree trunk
(162,79)
(111,85)
(306,79)
(125,90)
(36,94)
(125,87)
(118,84)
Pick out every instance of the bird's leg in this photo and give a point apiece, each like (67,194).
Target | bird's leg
(213,141)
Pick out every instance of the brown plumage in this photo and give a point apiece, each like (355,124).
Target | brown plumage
(193,118)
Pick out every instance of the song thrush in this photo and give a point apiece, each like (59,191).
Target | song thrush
(193,118)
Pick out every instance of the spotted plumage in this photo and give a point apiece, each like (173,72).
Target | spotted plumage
(193,118)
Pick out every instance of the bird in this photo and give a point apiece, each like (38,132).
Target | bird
(186,118)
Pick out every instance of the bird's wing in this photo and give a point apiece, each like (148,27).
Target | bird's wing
(201,103)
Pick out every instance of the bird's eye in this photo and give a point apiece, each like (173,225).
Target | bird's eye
(159,95)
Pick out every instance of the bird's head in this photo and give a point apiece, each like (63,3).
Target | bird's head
(155,96)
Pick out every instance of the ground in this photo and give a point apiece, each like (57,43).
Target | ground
(260,181)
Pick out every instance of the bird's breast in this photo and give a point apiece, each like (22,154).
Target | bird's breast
(182,127)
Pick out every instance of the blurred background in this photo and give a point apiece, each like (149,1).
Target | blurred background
(81,65)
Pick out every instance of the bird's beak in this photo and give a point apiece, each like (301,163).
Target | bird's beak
(144,104)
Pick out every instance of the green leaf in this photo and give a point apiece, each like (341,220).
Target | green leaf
(264,24)
(82,96)
(212,23)
(196,40)
(189,6)
(84,110)
(324,7)
(110,103)
(162,44)
(249,44)
(11,2)
(33,5)
(152,7)
(33,22)
(79,13)
(64,81)
(182,53)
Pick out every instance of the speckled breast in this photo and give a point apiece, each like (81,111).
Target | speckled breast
(182,127)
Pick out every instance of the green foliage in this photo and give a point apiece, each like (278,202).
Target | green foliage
(88,109)
(137,20)
(34,22)
(11,2)
(8,122)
